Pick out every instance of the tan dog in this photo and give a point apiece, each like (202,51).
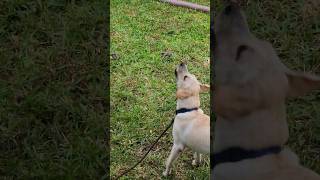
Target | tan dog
(191,126)
(251,86)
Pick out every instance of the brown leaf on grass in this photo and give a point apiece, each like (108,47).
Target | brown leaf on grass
(310,9)
(145,148)
(114,56)
(166,54)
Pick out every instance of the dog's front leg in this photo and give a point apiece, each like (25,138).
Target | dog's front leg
(175,151)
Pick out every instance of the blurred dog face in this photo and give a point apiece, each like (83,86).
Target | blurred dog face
(249,74)
(187,83)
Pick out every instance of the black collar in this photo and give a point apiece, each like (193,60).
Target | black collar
(235,154)
(184,110)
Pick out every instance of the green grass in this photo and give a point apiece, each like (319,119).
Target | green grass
(143,83)
(294,31)
(53,89)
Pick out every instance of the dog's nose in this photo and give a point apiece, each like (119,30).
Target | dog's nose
(182,64)
(230,8)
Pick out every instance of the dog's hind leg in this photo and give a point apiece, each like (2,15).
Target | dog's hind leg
(197,158)
(175,151)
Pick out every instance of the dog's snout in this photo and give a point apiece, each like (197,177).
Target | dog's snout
(232,7)
(182,67)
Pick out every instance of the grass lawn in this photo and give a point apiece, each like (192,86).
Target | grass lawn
(148,39)
(294,31)
(53,89)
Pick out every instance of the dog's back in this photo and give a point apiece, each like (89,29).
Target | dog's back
(193,130)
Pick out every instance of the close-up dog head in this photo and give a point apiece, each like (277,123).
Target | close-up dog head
(249,74)
(187,84)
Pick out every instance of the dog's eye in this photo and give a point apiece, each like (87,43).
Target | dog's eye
(240,50)
(185,77)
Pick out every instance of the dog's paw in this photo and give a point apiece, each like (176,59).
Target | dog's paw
(165,173)
(194,163)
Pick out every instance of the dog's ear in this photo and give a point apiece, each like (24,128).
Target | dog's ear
(301,83)
(182,94)
(204,88)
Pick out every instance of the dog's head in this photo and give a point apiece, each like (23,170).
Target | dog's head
(187,84)
(249,74)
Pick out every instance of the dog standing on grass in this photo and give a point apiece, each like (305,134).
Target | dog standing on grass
(251,86)
(191,126)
